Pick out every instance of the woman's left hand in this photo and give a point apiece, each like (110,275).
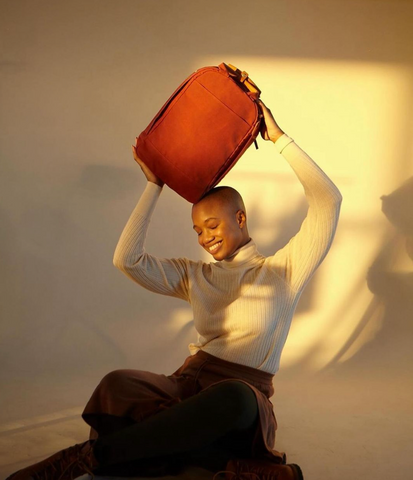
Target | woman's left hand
(270,129)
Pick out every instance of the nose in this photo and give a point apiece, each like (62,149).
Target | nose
(206,238)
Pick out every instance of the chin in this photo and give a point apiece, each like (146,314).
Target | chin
(219,256)
(223,256)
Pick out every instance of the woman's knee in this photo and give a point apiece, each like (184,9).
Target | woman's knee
(114,379)
(239,401)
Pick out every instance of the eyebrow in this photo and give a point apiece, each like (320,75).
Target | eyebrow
(205,221)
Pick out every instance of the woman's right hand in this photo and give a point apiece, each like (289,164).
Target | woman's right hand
(151,177)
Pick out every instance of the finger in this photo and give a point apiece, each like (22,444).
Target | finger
(135,155)
(264,107)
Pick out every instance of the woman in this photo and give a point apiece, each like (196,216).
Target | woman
(216,406)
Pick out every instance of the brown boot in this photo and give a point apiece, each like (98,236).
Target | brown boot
(257,469)
(67,464)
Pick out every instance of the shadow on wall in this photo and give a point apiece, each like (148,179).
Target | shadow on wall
(390,351)
(57,256)
(41,298)
(288,225)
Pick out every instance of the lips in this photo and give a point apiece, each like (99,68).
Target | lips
(215,247)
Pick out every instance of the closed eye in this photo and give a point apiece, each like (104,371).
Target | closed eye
(209,228)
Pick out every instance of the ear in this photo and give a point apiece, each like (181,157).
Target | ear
(241,218)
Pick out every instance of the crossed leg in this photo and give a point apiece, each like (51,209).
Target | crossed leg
(219,420)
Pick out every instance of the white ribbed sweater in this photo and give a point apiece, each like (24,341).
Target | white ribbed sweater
(242,306)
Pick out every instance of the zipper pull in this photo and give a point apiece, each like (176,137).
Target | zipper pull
(256,144)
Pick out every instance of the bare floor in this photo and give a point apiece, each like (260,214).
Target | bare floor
(333,430)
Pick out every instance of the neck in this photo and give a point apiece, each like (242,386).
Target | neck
(245,254)
(245,241)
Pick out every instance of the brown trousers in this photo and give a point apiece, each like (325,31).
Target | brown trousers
(124,397)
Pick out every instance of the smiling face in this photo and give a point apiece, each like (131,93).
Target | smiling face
(220,222)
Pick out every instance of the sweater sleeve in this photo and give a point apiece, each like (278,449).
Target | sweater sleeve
(300,258)
(159,275)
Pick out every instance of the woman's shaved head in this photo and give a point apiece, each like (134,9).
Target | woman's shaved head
(226,196)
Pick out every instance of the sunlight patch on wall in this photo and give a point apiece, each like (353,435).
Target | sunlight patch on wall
(347,117)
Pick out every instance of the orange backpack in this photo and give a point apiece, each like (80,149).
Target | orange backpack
(202,130)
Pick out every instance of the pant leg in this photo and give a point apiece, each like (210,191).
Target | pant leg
(214,457)
(124,397)
(192,425)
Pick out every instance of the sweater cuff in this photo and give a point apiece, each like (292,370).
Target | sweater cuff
(282,142)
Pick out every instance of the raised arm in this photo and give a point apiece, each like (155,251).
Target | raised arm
(300,258)
(159,275)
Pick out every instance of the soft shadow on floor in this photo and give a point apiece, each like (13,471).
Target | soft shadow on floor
(190,473)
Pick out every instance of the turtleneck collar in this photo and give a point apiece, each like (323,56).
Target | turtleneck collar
(244,255)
